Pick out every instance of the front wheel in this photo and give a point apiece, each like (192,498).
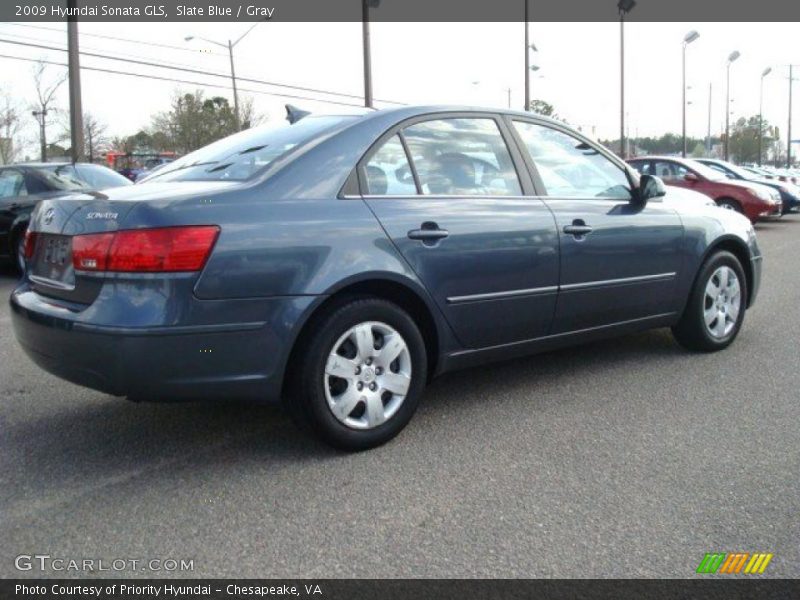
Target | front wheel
(715,311)
(360,374)
(730,204)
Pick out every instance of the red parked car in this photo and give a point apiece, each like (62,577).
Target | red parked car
(753,200)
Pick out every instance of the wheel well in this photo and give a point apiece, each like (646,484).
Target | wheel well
(394,292)
(739,250)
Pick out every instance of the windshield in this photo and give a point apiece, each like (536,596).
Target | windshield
(740,171)
(244,154)
(704,171)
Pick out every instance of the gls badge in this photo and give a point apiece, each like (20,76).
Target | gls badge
(101,215)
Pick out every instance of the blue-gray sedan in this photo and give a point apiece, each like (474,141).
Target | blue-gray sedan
(340,262)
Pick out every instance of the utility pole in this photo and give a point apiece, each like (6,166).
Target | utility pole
(75,104)
(527,62)
(708,132)
(365,6)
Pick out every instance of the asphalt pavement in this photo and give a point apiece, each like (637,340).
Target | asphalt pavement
(624,458)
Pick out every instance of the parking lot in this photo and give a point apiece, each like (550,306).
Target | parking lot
(625,458)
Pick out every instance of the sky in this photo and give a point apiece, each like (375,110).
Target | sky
(428,63)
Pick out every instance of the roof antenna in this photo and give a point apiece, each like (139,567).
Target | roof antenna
(294,114)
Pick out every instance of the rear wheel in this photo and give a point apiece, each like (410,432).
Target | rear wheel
(716,307)
(360,374)
(730,204)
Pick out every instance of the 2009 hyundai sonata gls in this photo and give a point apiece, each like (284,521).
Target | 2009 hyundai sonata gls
(340,262)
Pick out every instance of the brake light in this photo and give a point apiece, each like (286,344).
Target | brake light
(30,243)
(166,249)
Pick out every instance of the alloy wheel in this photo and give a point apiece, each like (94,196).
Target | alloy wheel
(722,302)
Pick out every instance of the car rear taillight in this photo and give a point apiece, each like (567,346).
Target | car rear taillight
(166,249)
(30,243)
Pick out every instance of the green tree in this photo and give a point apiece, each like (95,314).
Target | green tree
(194,121)
(743,144)
(543,108)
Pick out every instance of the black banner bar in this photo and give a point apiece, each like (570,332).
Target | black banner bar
(400,10)
(341,589)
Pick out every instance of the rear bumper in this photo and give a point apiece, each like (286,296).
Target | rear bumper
(243,360)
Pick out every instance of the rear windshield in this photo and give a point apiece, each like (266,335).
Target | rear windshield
(245,154)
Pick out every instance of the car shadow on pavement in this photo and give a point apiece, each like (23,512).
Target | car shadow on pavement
(61,440)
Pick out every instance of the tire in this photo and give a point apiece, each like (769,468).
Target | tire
(715,310)
(337,386)
(730,204)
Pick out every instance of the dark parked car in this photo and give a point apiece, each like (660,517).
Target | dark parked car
(342,261)
(790,194)
(753,200)
(22,186)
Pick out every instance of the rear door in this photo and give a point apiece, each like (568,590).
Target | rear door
(619,261)
(447,191)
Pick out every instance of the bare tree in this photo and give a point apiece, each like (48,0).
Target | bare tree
(46,89)
(94,134)
(10,127)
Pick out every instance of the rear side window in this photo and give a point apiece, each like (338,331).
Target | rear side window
(388,171)
(571,168)
(462,156)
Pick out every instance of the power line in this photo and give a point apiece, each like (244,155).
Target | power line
(173,80)
(200,72)
(109,56)
(117,39)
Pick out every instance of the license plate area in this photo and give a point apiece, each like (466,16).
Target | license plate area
(52,263)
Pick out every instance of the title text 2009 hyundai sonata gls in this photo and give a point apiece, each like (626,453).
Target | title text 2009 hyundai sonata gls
(341,261)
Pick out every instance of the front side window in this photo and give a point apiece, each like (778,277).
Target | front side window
(388,171)
(571,168)
(462,156)
(670,171)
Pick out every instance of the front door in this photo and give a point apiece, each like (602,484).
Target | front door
(456,212)
(619,261)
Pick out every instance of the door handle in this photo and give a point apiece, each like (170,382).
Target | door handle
(579,229)
(428,234)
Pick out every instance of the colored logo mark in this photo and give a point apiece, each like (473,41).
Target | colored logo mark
(735,563)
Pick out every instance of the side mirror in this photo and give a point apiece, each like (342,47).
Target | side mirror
(650,187)
(691,177)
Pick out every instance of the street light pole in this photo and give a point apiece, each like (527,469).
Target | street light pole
(789,128)
(688,39)
(624,6)
(41,115)
(236,115)
(732,57)
(766,72)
